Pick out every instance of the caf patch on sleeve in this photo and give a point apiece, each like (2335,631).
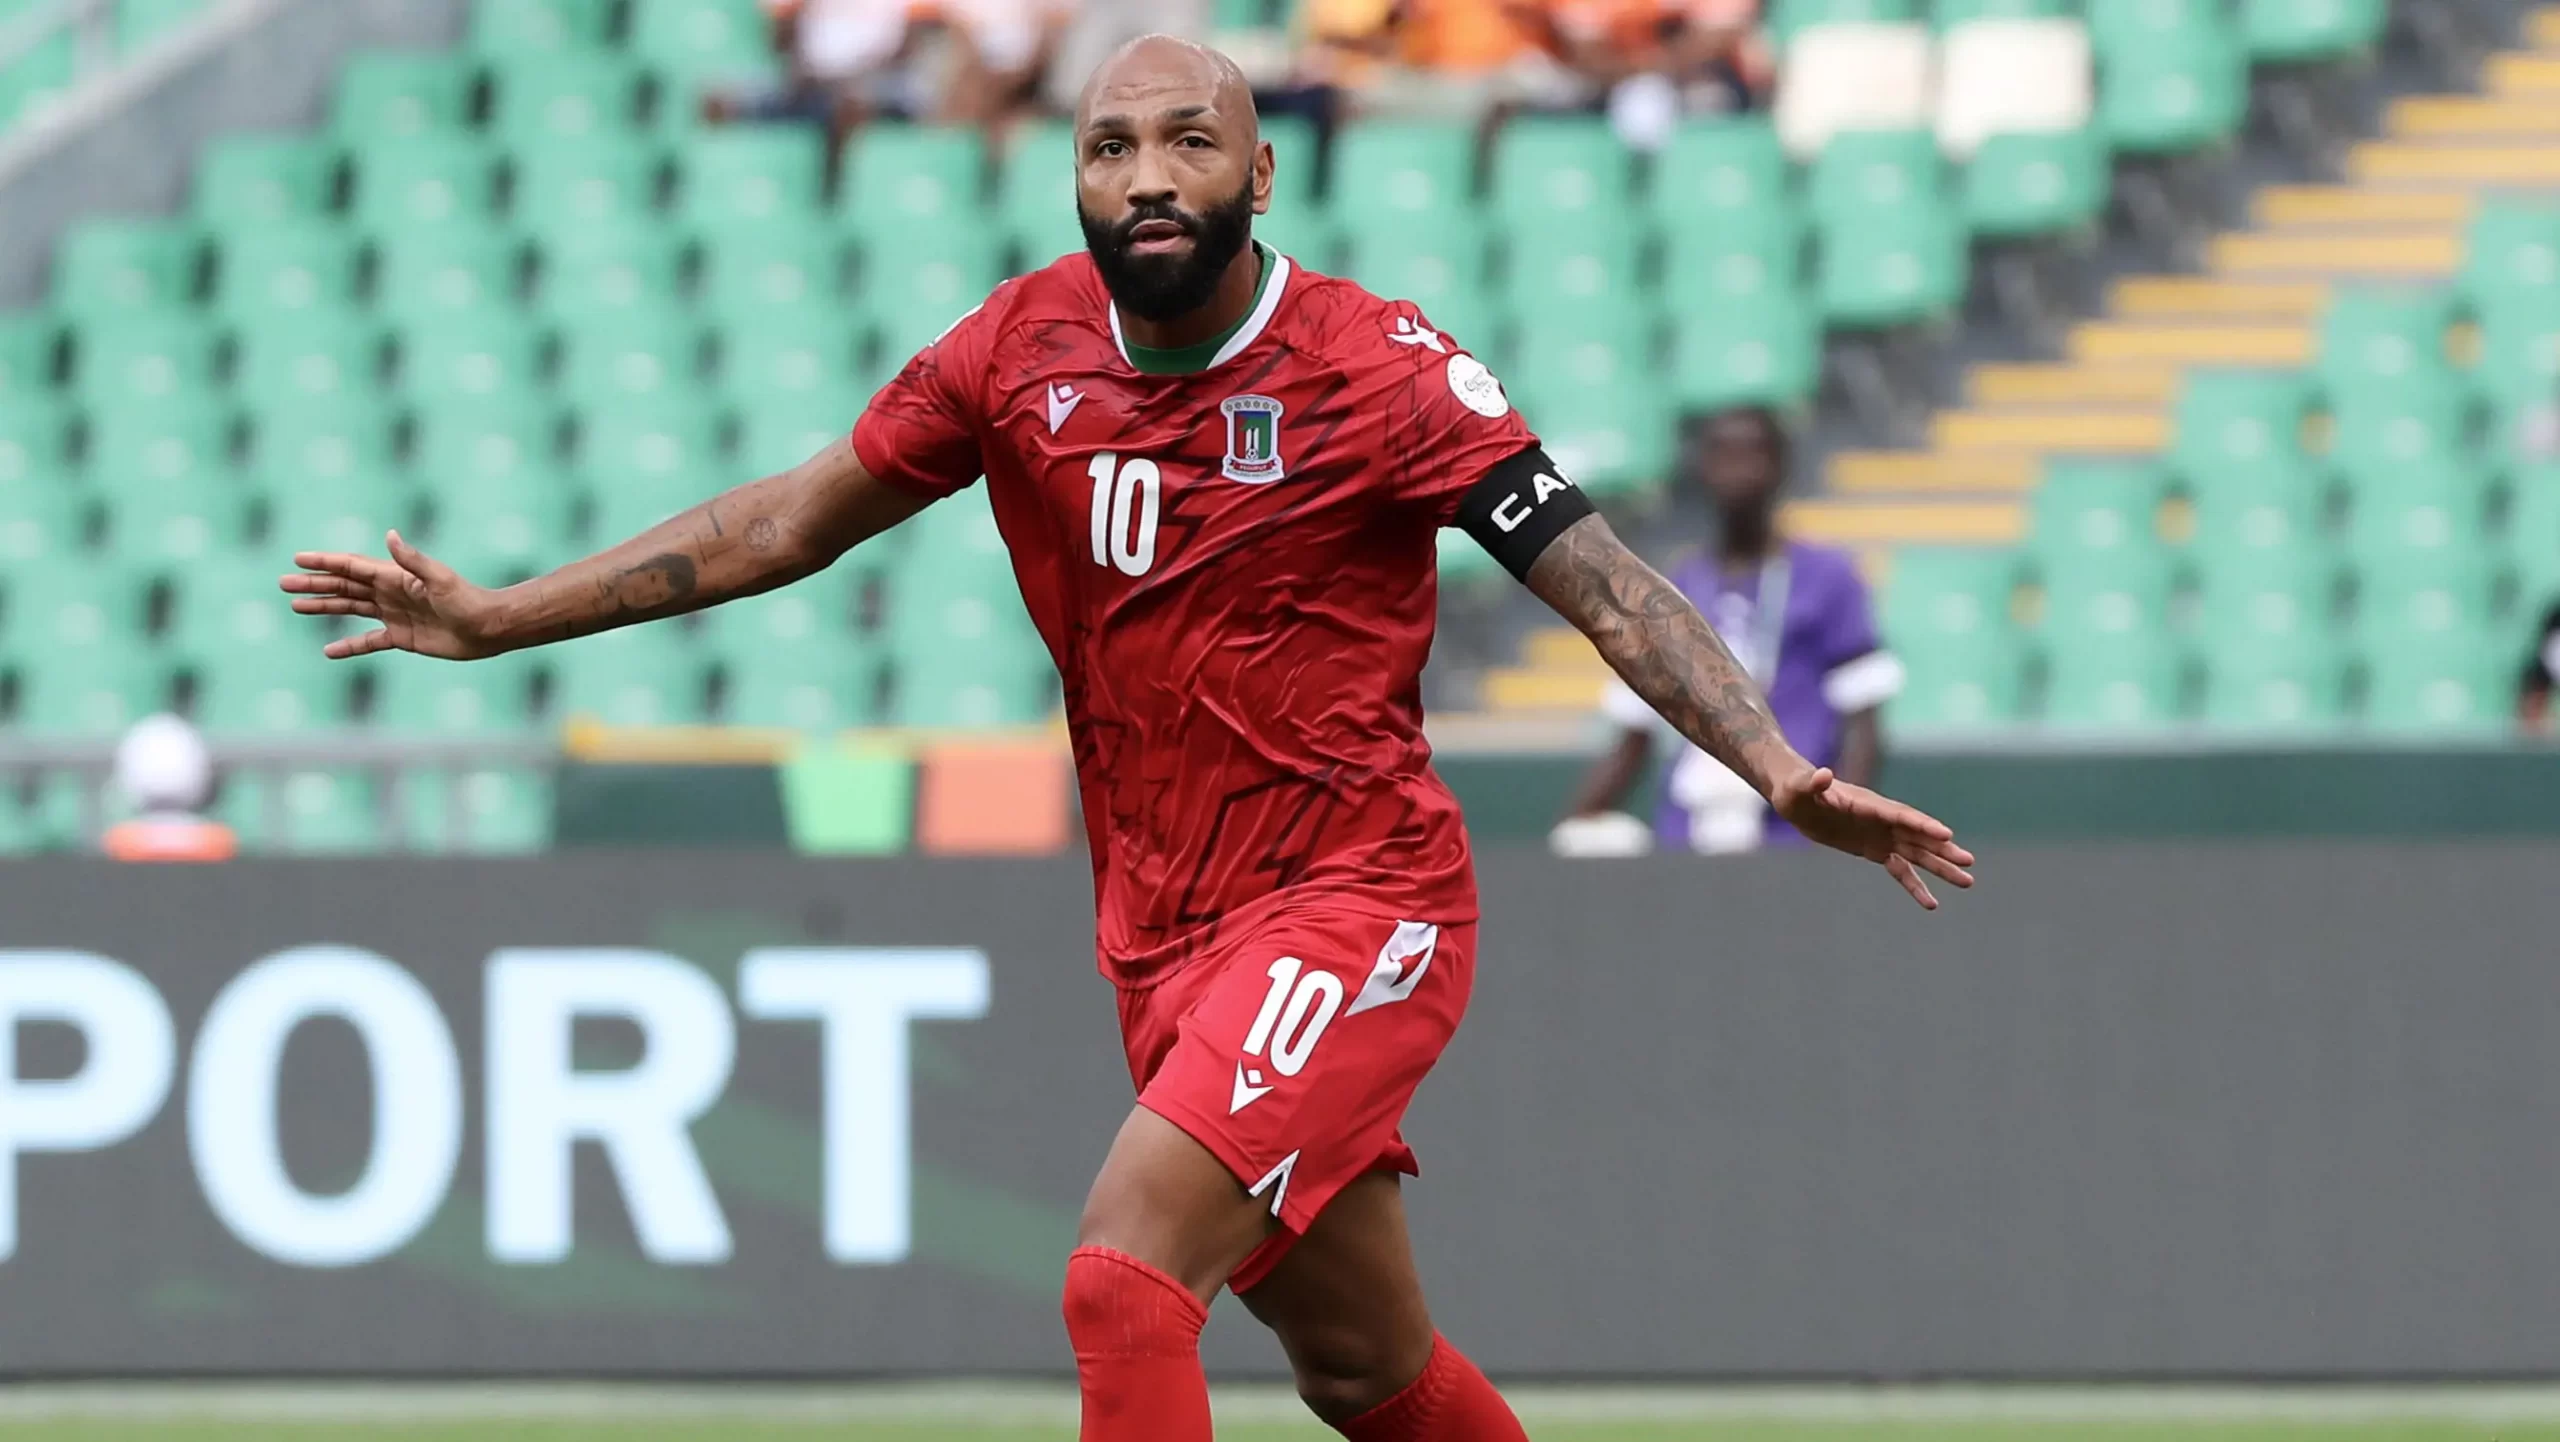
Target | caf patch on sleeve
(1476,388)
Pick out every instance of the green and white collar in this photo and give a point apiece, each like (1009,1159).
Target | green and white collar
(1220,349)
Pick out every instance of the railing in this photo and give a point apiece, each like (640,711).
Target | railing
(92,26)
(389,759)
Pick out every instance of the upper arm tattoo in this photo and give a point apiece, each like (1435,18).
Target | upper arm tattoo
(1656,640)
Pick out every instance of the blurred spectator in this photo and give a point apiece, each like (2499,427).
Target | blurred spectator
(1448,59)
(844,61)
(164,771)
(1661,60)
(1796,615)
(1099,27)
(1002,53)
(2541,678)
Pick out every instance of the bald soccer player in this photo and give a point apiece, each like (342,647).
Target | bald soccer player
(1221,478)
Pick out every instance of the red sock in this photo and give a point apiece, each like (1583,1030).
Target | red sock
(1450,1402)
(1137,1338)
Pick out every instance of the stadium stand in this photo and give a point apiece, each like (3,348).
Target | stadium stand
(515,300)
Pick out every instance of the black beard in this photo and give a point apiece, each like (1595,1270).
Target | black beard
(1161,288)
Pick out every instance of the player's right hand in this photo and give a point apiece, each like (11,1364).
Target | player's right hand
(422,605)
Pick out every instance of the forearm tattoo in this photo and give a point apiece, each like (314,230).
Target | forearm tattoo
(1657,642)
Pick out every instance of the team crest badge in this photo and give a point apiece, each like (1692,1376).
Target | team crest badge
(1253,440)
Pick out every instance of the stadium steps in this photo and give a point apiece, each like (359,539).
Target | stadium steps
(2400,217)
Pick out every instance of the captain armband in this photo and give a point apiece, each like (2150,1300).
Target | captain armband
(1521,506)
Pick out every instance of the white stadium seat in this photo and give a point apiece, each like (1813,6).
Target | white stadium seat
(2004,77)
(1853,77)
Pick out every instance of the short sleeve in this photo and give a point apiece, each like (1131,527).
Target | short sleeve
(1858,673)
(921,432)
(1452,421)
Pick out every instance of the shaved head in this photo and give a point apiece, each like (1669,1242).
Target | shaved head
(1142,72)
(1170,172)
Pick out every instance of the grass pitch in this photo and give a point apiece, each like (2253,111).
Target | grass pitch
(148,1413)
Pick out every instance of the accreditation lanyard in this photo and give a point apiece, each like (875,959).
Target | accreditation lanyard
(1768,617)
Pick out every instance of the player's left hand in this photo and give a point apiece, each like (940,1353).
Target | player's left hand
(1901,839)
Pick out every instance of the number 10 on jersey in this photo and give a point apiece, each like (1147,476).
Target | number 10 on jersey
(1126,497)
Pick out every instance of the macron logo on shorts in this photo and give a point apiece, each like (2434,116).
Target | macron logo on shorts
(1401,964)
(1249,1089)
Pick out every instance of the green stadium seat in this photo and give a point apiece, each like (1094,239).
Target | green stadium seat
(2267,596)
(1752,352)
(2375,340)
(1392,174)
(2259,683)
(318,445)
(818,612)
(757,272)
(175,526)
(2532,534)
(510,440)
(914,180)
(817,685)
(30,354)
(2427,515)
(499,530)
(1439,267)
(40,520)
(1554,172)
(275,691)
(2294,31)
(703,39)
(981,666)
(468,357)
(1036,193)
(421,276)
(326,812)
(803,356)
(2519,364)
(543,98)
(1883,272)
(2512,250)
(484,811)
(33,437)
(72,604)
(1788,17)
(2253,530)
(642,466)
(233,607)
(1868,176)
(744,182)
(602,275)
(414,695)
(142,360)
(112,265)
(2383,431)
(252,180)
(2119,25)
(318,357)
(636,676)
(564,185)
(2234,425)
(1720,172)
(404,186)
(515,27)
(88,692)
(2171,91)
(389,96)
(180,446)
(1946,613)
(772,439)
(2103,680)
(2461,682)
(1706,267)
(2088,512)
(1464,564)
(637,357)
(352,516)
(1591,394)
(278,268)
(2035,184)
(139,23)
(1571,269)
(915,288)
(37,79)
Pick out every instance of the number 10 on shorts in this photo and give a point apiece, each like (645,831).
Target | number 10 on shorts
(1301,1004)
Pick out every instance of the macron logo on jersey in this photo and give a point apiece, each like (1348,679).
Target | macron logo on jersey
(1409,331)
(1063,400)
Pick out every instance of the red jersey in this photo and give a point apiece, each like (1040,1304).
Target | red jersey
(1235,572)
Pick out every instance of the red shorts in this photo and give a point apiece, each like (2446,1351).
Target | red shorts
(1292,1049)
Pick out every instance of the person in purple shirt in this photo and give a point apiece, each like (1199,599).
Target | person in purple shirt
(1794,613)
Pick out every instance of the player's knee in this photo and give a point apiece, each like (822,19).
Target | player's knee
(1114,1303)
(1347,1371)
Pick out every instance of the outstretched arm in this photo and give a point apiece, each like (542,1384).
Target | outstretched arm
(759,536)
(1658,643)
